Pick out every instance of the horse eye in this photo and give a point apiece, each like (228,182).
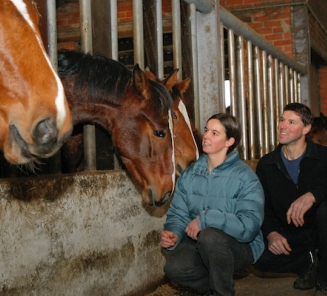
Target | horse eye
(174,115)
(159,133)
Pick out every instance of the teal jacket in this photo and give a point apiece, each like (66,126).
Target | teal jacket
(230,198)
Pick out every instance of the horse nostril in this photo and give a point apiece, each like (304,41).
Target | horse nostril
(164,199)
(45,132)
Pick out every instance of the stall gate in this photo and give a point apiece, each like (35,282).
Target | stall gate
(90,233)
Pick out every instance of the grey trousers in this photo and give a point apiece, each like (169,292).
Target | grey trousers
(209,263)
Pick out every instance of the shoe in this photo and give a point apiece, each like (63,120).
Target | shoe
(321,290)
(307,280)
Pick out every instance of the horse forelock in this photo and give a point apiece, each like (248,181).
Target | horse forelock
(164,99)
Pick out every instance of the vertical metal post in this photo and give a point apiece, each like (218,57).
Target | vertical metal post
(232,74)
(287,93)
(258,99)
(251,100)
(138,33)
(291,86)
(299,88)
(281,87)
(265,102)
(271,105)
(277,109)
(86,46)
(177,44)
(241,97)
(114,30)
(160,65)
(52,32)
(194,48)
(114,48)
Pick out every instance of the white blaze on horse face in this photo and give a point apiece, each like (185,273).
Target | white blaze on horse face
(170,122)
(61,111)
(183,110)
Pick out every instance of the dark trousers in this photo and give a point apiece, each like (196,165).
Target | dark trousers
(302,241)
(208,263)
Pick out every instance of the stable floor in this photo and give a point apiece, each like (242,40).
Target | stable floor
(248,283)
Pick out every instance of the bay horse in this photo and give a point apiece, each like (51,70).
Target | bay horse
(186,144)
(134,110)
(318,132)
(34,115)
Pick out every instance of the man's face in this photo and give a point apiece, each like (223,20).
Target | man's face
(291,128)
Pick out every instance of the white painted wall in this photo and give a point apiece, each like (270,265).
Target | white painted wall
(85,234)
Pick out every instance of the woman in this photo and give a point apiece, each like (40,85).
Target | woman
(213,224)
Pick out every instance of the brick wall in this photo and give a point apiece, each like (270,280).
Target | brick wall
(69,29)
(271,19)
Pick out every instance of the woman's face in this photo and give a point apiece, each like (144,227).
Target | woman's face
(214,138)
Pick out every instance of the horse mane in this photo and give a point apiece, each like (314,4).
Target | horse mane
(99,75)
(102,77)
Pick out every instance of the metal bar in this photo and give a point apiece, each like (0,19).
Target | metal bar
(278,114)
(241,96)
(291,87)
(251,99)
(265,103)
(204,6)
(271,105)
(299,95)
(114,29)
(159,41)
(177,44)
(281,87)
(232,75)
(52,32)
(114,50)
(194,49)
(295,87)
(86,46)
(287,93)
(222,58)
(258,108)
(138,33)
(240,28)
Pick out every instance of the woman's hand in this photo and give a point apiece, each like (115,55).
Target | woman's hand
(193,229)
(168,239)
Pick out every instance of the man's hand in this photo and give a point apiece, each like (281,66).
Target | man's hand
(277,244)
(299,207)
(168,239)
(193,229)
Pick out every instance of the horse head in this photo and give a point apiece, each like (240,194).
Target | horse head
(134,110)
(185,146)
(146,147)
(34,116)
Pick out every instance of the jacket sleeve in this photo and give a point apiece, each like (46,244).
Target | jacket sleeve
(271,222)
(178,216)
(244,221)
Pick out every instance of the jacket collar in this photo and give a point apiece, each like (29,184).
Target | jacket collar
(310,152)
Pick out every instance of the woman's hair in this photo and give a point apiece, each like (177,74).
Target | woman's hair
(232,127)
(301,110)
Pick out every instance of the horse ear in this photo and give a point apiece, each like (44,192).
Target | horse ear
(141,82)
(149,74)
(183,85)
(171,79)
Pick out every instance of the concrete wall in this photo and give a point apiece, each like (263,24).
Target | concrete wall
(85,234)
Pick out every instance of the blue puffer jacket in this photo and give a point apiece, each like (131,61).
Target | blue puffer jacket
(230,198)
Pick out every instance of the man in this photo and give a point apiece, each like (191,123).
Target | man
(294,178)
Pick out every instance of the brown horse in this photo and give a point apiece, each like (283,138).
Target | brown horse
(136,111)
(34,115)
(186,148)
(318,132)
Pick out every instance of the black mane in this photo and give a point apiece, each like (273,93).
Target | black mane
(102,78)
(100,75)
